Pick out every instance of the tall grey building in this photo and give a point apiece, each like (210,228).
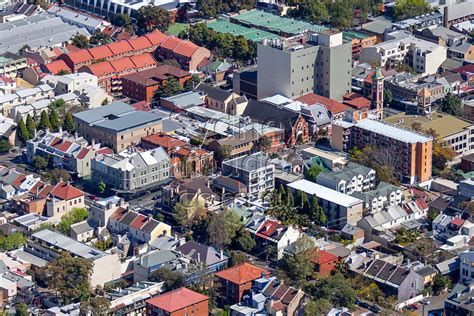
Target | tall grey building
(319,63)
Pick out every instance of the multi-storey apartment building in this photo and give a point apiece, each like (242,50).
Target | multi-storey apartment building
(466,271)
(22,97)
(255,171)
(48,245)
(423,56)
(12,64)
(294,67)
(132,170)
(409,152)
(352,178)
(117,125)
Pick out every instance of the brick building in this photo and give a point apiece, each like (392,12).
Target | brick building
(180,302)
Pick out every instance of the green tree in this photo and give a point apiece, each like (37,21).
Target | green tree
(245,241)
(313,172)
(68,276)
(150,17)
(21,309)
(440,283)
(12,241)
(76,215)
(387,96)
(335,288)
(69,124)
(341,12)
(122,20)
(95,306)
(40,163)
(299,265)
(58,175)
(172,279)
(169,88)
(101,187)
(104,244)
(23,133)
(236,258)
(224,152)
(319,307)
(54,121)
(451,104)
(99,38)
(5,145)
(223,227)
(80,40)
(192,82)
(30,126)
(405,9)
(370,292)
(316,209)
(312,11)
(44,121)
(58,104)
(241,48)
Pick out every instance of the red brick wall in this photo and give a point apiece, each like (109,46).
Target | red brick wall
(199,309)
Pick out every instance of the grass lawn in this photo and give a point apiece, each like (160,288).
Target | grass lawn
(176,28)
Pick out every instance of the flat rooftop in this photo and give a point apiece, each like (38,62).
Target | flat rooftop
(324,193)
(224,26)
(443,124)
(391,131)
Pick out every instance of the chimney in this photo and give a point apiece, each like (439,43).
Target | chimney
(199,257)
(222,254)
(60,129)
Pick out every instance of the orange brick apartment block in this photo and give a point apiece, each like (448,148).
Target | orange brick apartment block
(180,302)
(237,280)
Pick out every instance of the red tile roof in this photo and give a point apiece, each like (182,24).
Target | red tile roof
(100,52)
(242,273)
(80,56)
(118,214)
(186,48)
(66,191)
(176,300)
(105,151)
(358,104)
(72,48)
(101,69)
(17,182)
(143,60)
(321,257)
(121,47)
(171,43)
(156,37)
(63,146)
(269,228)
(332,105)
(55,67)
(457,221)
(122,64)
(138,222)
(82,153)
(162,140)
(422,204)
(140,43)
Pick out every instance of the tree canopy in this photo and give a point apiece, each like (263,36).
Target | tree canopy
(405,9)
(76,215)
(152,17)
(223,227)
(451,104)
(80,40)
(12,241)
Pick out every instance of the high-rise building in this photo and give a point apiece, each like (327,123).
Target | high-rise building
(319,63)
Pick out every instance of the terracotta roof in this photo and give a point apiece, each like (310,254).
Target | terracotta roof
(17,182)
(457,221)
(162,140)
(156,37)
(120,47)
(143,60)
(242,273)
(66,191)
(141,106)
(122,64)
(171,43)
(100,69)
(321,257)
(422,204)
(176,300)
(186,48)
(356,101)
(80,56)
(271,229)
(100,52)
(82,153)
(278,306)
(105,151)
(55,67)
(140,43)
(156,75)
(332,105)
(138,222)
(72,48)
(118,214)
(63,146)
(45,190)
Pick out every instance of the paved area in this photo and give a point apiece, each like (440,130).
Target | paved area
(436,305)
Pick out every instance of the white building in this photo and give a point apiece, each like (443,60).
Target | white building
(467,267)
(423,56)
(70,82)
(352,178)
(24,97)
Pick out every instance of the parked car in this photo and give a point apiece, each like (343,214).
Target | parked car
(375,309)
(425,302)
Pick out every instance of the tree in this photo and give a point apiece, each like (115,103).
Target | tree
(76,215)
(44,121)
(370,292)
(5,145)
(335,288)
(101,186)
(57,104)
(21,309)
(451,104)
(69,124)
(264,143)
(150,17)
(68,276)
(23,133)
(122,20)
(405,9)
(95,306)
(186,213)
(236,258)
(223,227)
(440,283)
(319,307)
(316,210)
(245,241)
(99,38)
(80,40)
(40,163)
(441,154)
(169,88)
(54,121)
(313,11)
(299,265)
(341,14)
(30,126)
(173,279)
(58,175)
(313,172)
(192,82)
(224,152)
(387,96)
(12,241)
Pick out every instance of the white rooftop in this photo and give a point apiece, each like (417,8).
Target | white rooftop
(391,131)
(324,193)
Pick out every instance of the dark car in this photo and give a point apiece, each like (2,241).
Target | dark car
(375,309)
(362,304)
